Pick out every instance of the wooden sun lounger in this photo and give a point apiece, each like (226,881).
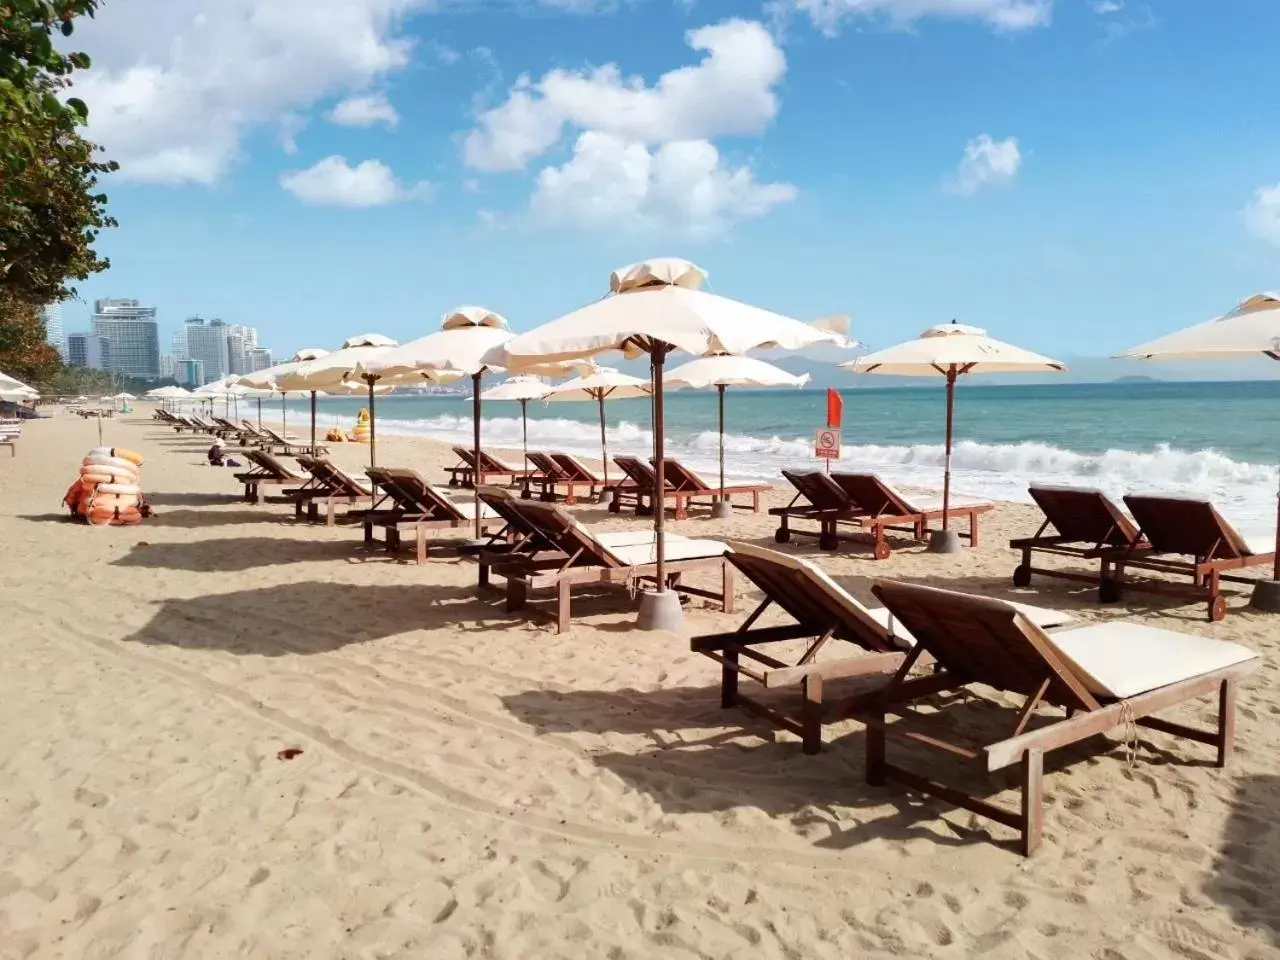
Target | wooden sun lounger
(1105,676)
(885,509)
(822,611)
(288,444)
(819,499)
(1172,528)
(582,474)
(1086,524)
(551,473)
(267,470)
(640,488)
(579,557)
(408,500)
(463,473)
(332,486)
(685,478)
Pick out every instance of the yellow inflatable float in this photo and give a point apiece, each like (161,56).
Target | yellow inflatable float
(360,433)
(107,492)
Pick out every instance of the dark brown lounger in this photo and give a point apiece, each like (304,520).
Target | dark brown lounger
(641,485)
(408,500)
(268,470)
(333,486)
(1104,677)
(686,479)
(886,509)
(1086,524)
(818,498)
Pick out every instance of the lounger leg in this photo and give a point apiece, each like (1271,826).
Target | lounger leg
(517,594)
(729,679)
(422,545)
(726,587)
(482,583)
(368,531)
(811,715)
(562,606)
(1217,606)
(682,508)
(1226,721)
(755,501)
(1032,800)
(875,748)
(973,529)
(329,508)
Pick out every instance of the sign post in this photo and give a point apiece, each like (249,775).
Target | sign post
(826,445)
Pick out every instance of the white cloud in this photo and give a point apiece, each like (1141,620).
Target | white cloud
(1009,15)
(1104,7)
(617,184)
(176,84)
(1262,214)
(334,182)
(986,162)
(730,92)
(290,125)
(364,110)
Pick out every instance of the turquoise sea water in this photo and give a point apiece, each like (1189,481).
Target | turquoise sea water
(1218,440)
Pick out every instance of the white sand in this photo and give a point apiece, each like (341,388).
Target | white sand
(472,784)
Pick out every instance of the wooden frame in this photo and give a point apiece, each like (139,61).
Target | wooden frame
(828,506)
(267,470)
(683,478)
(1088,524)
(463,473)
(884,509)
(642,486)
(414,505)
(552,474)
(333,486)
(978,640)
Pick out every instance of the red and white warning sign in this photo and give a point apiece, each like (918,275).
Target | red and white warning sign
(826,444)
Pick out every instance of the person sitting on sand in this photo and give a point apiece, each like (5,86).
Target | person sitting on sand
(218,455)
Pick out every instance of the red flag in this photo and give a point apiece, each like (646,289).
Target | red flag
(835,408)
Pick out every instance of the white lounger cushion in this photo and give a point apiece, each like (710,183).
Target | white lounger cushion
(678,548)
(466,507)
(623,538)
(1042,617)
(581,466)
(1125,659)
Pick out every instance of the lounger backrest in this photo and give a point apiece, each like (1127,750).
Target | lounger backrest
(466,456)
(492,464)
(812,598)
(575,467)
(420,495)
(332,477)
(641,473)
(548,466)
(401,489)
(980,640)
(820,490)
(872,494)
(269,462)
(1083,515)
(278,438)
(1185,526)
(682,477)
(568,536)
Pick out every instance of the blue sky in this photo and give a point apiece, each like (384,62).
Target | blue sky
(1074,175)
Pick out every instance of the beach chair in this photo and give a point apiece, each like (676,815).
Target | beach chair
(332,486)
(289,444)
(579,557)
(639,488)
(583,474)
(1173,528)
(547,475)
(818,498)
(267,470)
(1107,676)
(464,472)
(251,434)
(822,611)
(408,500)
(684,478)
(886,509)
(1086,524)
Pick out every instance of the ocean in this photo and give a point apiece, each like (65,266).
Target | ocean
(1214,440)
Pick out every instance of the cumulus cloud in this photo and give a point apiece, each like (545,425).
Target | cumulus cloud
(986,162)
(619,184)
(1262,214)
(364,110)
(176,84)
(730,92)
(1006,15)
(334,182)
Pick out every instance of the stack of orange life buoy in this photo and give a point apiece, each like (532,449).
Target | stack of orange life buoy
(107,492)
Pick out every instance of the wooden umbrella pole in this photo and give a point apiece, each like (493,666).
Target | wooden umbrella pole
(284,417)
(720,390)
(524,439)
(604,443)
(373,425)
(259,413)
(313,423)
(475,426)
(946,475)
(1275,572)
(659,494)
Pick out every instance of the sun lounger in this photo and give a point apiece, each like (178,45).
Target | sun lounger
(463,473)
(332,486)
(822,611)
(580,557)
(267,470)
(289,444)
(1173,528)
(550,475)
(886,509)
(583,474)
(1105,677)
(1086,524)
(641,485)
(820,499)
(684,478)
(408,500)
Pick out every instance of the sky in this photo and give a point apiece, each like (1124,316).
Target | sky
(1075,176)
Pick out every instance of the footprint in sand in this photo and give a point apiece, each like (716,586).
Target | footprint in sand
(91,798)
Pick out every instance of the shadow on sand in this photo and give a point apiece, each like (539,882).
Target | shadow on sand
(1247,870)
(235,554)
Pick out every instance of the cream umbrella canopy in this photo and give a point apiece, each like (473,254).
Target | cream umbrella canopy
(522,389)
(337,370)
(1252,329)
(722,370)
(655,307)
(605,384)
(269,379)
(951,350)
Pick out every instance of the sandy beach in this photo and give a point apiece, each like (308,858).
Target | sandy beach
(471,784)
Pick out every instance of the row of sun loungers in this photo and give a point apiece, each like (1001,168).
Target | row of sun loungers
(10,434)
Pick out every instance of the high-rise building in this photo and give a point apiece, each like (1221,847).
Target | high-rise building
(237,354)
(88,350)
(134,337)
(189,373)
(259,358)
(207,342)
(53,331)
(179,345)
(167,365)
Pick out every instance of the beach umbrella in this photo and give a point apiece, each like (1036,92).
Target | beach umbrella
(335,370)
(722,370)
(951,350)
(655,307)
(1252,329)
(278,379)
(522,389)
(605,384)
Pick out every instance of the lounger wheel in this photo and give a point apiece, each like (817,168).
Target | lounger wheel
(781,536)
(1217,609)
(1108,591)
(880,551)
(1022,575)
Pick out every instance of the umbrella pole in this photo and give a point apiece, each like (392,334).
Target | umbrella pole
(475,428)
(373,425)
(259,413)
(284,418)
(721,510)
(944,540)
(524,440)
(313,423)
(604,441)
(659,608)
